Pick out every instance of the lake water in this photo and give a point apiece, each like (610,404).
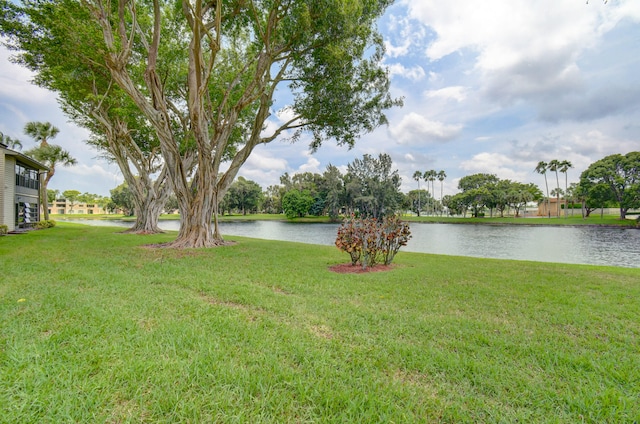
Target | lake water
(576,245)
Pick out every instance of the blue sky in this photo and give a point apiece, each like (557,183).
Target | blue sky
(492,86)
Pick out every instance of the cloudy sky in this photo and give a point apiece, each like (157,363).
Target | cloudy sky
(492,86)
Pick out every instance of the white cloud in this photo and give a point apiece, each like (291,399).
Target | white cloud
(495,163)
(263,160)
(457,93)
(312,165)
(523,48)
(415,128)
(15,85)
(415,73)
(397,51)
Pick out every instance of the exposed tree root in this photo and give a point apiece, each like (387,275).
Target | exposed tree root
(142,232)
(184,244)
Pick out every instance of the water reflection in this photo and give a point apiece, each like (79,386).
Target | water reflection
(578,245)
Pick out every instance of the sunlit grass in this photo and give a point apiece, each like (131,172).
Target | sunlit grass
(94,327)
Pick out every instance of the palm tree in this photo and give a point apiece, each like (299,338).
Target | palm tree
(541,168)
(432,178)
(425,177)
(41,132)
(441,176)
(417,176)
(572,192)
(11,143)
(49,155)
(554,165)
(564,167)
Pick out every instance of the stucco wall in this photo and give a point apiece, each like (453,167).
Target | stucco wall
(7,191)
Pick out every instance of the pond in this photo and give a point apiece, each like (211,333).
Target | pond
(576,245)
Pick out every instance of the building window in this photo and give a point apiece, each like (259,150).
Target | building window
(60,211)
(26,214)
(27,177)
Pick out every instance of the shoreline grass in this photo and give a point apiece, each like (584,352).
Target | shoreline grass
(594,220)
(95,327)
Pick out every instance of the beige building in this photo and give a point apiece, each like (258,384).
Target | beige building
(65,207)
(20,178)
(552,208)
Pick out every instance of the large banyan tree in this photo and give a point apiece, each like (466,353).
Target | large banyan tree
(203,75)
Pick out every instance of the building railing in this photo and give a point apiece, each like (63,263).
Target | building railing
(28,182)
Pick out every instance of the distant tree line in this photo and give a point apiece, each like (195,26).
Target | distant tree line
(371,188)
(487,191)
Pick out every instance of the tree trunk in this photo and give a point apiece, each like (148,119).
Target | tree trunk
(199,214)
(44,201)
(147,214)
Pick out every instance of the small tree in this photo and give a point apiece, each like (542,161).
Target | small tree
(72,196)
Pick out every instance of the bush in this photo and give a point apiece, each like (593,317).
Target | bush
(296,203)
(40,225)
(3,230)
(370,242)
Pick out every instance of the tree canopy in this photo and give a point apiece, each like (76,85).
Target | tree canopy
(615,176)
(204,75)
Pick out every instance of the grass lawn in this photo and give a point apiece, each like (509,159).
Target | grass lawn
(94,327)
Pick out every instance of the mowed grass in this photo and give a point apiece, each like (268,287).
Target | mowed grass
(95,327)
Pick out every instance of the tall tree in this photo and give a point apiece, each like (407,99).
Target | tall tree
(429,177)
(273,199)
(244,195)
(554,166)
(418,176)
(332,189)
(50,155)
(237,54)
(90,98)
(41,132)
(441,177)
(414,200)
(375,185)
(477,191)
(542,168)
(620,174)
(564,167)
